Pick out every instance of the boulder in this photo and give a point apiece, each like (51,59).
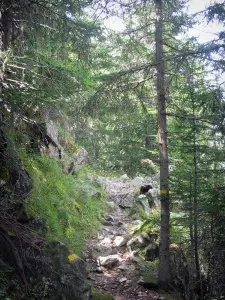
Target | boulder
(125,200)
(109,262)
(20,179)
(147,180)
(124,178)
(48,136)
(109,218)
(138,241)
(112,205)
(100,249)
(70,279)
(52,132)
(137,181)
(120,241)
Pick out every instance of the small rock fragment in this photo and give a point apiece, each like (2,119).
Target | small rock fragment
(119,241)
(123,279)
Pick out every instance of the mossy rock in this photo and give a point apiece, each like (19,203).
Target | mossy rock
(98,296)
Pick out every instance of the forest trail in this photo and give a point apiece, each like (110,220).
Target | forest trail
(112,257)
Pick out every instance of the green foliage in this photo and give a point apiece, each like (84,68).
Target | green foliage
(179,231)
(149,271)
(64,202)
(151,224)
(51,60)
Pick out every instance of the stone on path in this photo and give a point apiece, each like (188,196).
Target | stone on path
(115,250)
(100,249)
(120,241)
(109,262)
(123,279)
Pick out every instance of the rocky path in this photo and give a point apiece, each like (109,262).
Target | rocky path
(112,257)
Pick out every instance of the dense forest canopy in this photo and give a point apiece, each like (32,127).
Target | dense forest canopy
(146,98)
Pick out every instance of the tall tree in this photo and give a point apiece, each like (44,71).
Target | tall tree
(164,272)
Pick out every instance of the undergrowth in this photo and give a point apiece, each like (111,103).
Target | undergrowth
(64,202)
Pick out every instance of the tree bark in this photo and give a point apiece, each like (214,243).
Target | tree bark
(195,210)
(164,270)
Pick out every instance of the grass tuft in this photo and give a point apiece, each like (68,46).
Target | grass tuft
(64,202)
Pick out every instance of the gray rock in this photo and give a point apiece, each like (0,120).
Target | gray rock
(123,279)
(124,178)
(107,223)
(111,205)
(120,223)
(100,249)
(2,182)
(109,218)
(109,262)
(50,145)
(128,267)
(106,241)
(125,200)
(120,241)
(137,223)
(138,241)
(20,179)
(147,181)
(70,281)
(140,280)
(99,270)
(52,132)
(137,181)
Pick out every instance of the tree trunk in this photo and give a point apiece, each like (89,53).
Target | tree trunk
(195,208)
(192,249)
(164,272)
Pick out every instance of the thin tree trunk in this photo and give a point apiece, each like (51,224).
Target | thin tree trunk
(164,272)
(192,250)
(195,207)
(195,200)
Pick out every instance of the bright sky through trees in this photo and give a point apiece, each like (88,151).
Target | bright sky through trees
(203,31)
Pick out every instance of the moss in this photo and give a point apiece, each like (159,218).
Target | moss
(98,296)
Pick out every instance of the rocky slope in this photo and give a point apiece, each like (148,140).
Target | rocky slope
(113,260)
(31,267)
